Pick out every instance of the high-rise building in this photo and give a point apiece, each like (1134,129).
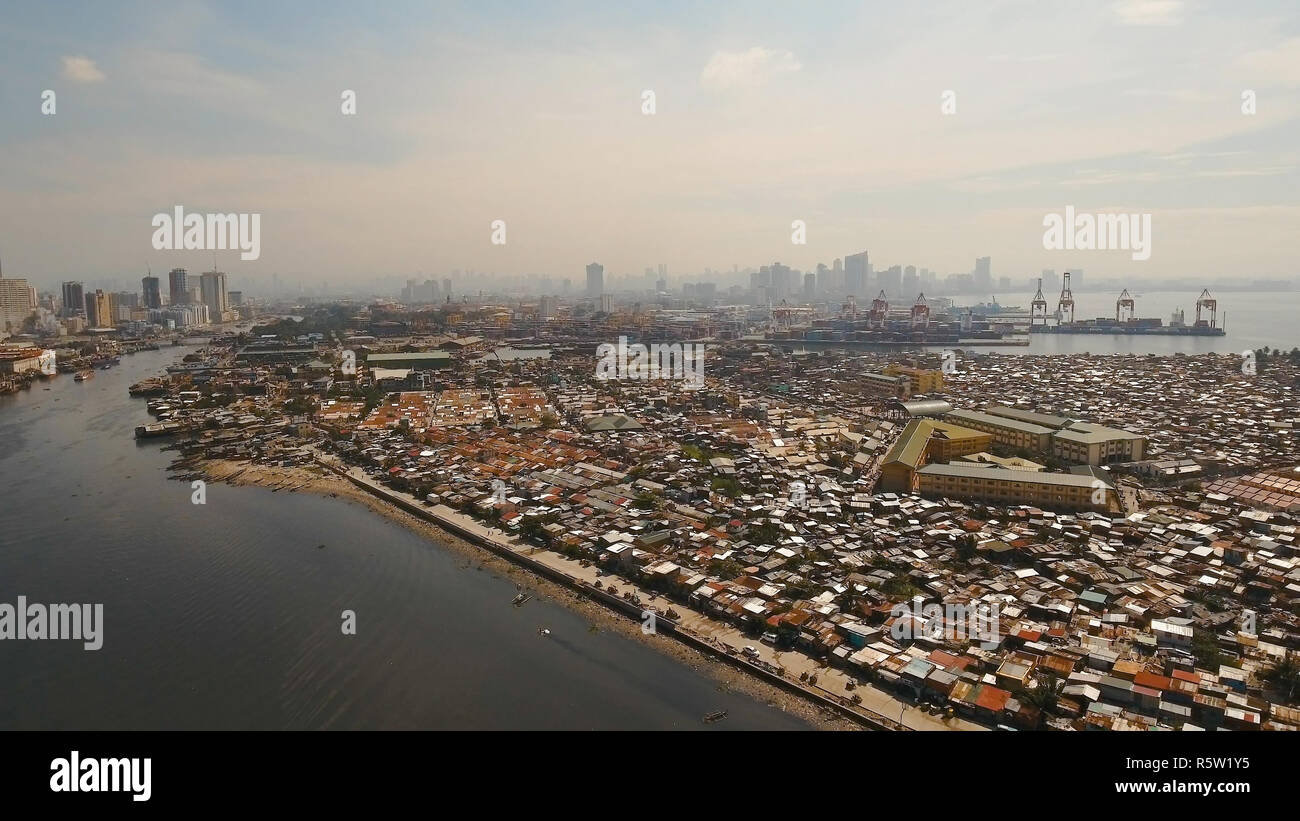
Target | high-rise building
(595,279)
(17,301)
(607,303)
(891,282)
(982,276)
(547,308)
(101,312)
(855,274)
(810,286)
(212,285)
(178,286)
(911,282)
(74,300)
(152,292)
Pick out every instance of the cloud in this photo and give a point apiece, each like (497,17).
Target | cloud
(1149,12)
(1276,66)
(82,70)
(746,69)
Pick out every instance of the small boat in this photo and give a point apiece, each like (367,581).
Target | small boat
(521,599)
(715,716)
(106,366)
(82,376)
(543,632)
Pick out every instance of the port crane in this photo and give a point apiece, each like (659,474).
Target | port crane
(1038,308)
(1209,304)
(1066,302)
(1124,308)
(879,310)
(921,313)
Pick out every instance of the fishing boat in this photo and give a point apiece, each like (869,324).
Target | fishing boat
(521,599)
(715,716)
(82,376)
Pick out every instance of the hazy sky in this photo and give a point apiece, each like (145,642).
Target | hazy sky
(532,114)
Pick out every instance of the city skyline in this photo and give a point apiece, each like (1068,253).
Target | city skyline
(834,117)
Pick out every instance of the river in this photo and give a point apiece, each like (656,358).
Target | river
(227,615)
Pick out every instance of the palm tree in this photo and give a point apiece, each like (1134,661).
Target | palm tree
(1284,675)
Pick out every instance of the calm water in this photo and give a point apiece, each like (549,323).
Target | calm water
(1253,320)
(227,615)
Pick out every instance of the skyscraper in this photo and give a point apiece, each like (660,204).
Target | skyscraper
(74,299)
(595,279)
(212,287)
(982,276)
(152,291)
(101,312)
(178,286)
(855,274)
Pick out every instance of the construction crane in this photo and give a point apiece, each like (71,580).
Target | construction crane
(1124,308)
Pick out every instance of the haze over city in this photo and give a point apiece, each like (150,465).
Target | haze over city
(763,114)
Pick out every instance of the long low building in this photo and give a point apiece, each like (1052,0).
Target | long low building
(1003,486)
(1069,439)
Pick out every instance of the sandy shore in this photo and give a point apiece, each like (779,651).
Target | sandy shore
(315,479)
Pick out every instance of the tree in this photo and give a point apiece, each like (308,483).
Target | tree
(1284,676)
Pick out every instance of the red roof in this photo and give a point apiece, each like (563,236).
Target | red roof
(992,698)
(1185,675)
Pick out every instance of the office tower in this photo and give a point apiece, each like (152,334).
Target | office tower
(607,303)
(152,291)
(595,279)
(855,274)
(911,282)
(547,308)
(212,285)
(663,271)
(178,286)
(780,279)
(982,276)
(74,299)
(891,282)
(661,285)
(236,298)
(810,286)
(100,310)
(17,301)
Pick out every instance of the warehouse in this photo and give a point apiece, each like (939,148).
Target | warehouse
(1016,487)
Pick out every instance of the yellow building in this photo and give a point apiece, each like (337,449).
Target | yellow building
(923,441)
(1002,486)
(923,380)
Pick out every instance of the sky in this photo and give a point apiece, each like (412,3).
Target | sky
(764,113)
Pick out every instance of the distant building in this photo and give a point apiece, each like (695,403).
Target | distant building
(178,286)
(855,274)
(152,291)
(595,280)
(17,301)
(74,299)
(212,287)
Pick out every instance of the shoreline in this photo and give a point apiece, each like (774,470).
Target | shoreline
(319,480)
